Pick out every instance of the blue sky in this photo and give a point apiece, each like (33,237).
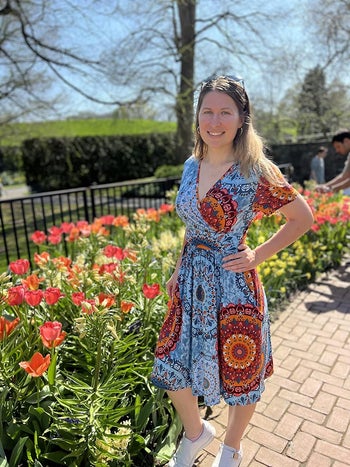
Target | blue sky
(266,79)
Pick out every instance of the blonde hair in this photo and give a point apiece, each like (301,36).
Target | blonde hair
(248,146)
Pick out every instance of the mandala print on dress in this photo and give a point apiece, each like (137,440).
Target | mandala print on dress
(219,210)
(171,328)
(240,347)
(270,198)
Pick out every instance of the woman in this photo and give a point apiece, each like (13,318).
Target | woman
(215,340)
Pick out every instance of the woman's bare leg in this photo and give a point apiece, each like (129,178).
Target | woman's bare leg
(186,405)
(238,419)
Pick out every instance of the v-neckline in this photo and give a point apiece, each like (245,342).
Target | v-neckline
(199,200)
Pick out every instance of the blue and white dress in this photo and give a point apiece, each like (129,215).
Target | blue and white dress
(215,337)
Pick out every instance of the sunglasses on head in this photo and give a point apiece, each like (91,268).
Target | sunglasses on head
(236,79)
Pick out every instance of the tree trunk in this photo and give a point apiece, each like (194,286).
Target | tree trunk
(184,100)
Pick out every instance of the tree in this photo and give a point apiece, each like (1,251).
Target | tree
(330,26)
(313,103)
(156,50)
(173,41)
(36,51)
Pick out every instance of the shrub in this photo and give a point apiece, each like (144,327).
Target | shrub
(60,163)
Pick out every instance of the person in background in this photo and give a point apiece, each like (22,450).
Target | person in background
(317,166)
(215,339)
(341,144)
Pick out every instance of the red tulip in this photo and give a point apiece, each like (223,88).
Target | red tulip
(51,334)
(164,208)
(108,268)
(37,365)
(66,227)
(54,239)
(151,290)
(54,230)
(15,295)
(7,326)
(107,220)
(38,237)
(20,266)
(78,297)
(114,251)
(52,295)
(33,297)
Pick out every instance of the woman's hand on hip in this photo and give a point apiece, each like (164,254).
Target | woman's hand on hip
(244,260)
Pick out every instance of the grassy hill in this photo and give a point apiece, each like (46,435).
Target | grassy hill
(14,134)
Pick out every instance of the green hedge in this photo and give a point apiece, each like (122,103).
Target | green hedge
(60,163)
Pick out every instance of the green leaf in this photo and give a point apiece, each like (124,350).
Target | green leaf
(56,456)
(169,444)
(43,394)
(17,452)
(51,373)
(143,414)
(3,460)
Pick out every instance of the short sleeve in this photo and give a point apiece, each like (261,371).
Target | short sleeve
(269,198)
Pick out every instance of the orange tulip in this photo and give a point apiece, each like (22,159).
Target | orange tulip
(32,282)
(7,326)
(37,364)
(105,300)
(41,259)
(121,221)
(126,306)
(88,306)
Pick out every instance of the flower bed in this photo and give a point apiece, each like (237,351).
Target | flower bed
(77,332)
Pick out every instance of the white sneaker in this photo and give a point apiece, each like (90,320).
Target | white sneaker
(228,457)
(188,450)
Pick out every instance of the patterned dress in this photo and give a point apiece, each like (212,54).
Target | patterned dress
(216,335)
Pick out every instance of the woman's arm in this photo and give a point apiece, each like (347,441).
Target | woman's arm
(299,219)
(340,182)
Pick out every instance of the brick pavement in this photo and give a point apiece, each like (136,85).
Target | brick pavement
(303,418)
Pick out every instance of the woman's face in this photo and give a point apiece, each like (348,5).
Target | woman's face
(219,120)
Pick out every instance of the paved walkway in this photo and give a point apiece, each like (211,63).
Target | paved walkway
(303,418)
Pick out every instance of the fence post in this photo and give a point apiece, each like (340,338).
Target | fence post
(93,205)
(4,236)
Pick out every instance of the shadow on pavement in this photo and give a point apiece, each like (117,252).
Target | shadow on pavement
(335,288)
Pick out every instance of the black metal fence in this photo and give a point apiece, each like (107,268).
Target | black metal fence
(20,217)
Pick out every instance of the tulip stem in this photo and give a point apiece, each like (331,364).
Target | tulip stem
(37,382)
